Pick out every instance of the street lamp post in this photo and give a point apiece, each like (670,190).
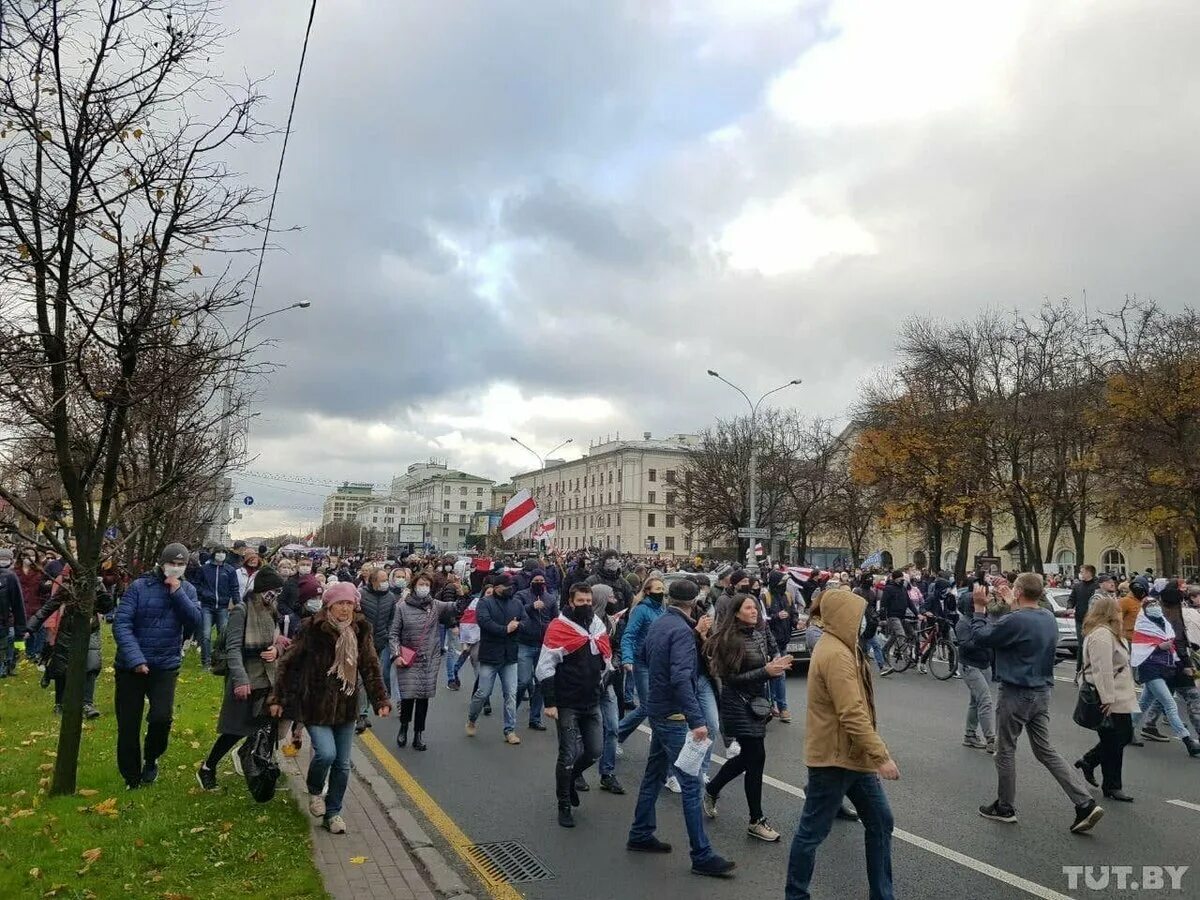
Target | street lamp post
(751,563)
(540,458)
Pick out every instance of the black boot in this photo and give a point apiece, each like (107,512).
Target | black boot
(402,735)
(418,744)
(565,819)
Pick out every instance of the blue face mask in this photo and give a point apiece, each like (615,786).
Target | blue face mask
(1154,611)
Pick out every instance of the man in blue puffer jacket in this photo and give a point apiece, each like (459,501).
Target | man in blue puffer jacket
(154,614)
(217,587)
(540,607)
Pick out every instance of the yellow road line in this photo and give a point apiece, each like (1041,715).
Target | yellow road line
(438,817)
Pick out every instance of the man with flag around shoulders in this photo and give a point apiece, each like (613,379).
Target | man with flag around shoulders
(573,668)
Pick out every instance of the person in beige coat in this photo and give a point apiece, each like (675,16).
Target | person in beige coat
(1106,665)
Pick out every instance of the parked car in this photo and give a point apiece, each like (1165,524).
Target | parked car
(1068,641)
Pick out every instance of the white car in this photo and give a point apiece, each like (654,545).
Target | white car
(1068,640)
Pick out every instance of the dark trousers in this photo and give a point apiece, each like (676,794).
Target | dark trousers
(408,706)
(130,698)
(1109,753)
(752,760)
(826,788)
(580,740)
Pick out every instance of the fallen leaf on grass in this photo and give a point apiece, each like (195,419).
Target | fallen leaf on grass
(87,792)
(227,826)
(358,860)
(171,895)
(195,745)
(53,892)
(198,829)
(20,793)
(92,855)
(46,767)
(106,807)
(35,873)
(21,813)
(256,856)
(139,843)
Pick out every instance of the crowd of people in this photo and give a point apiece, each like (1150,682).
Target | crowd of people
(601,644)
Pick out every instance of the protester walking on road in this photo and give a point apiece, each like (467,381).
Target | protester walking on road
(649,606)
(377,603)
(252,646)
(1106,665)
(739,656)
(975,665)
(780,619)
(603,605)
(675,715)
(845,755)
(573,668)
(416,654)
(1161,666)
(318,678)
(155,613)
(540,607)
(1079,601)
(1024,643)
(499,617)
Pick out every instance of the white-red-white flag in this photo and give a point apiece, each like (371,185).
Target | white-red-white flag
(545,531)
(519,513)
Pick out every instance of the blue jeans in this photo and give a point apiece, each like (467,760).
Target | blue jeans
(1155,691)
(208,618)
(707,695)
(527,685)
(608,718)
(508,684)
(778,686)
(667,737)
(389,681)
(34,644)
(826,787)
(875,647)
(450,643)
(331,757)
(635,717)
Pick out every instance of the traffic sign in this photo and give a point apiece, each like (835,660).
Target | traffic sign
(248,500)
(654,547)
(753,532)
(111,532)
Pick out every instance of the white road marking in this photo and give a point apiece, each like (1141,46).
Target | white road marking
(1023,884)
(1185,804)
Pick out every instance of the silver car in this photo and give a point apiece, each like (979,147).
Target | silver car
(1068,640)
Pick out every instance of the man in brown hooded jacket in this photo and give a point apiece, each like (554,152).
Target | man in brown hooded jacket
(845,755)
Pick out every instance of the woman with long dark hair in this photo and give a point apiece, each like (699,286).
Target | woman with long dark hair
(739,654)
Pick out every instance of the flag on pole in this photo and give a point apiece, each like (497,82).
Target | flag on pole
(519,513)
(758,549)
(545,531)
(875,559)
(308,540)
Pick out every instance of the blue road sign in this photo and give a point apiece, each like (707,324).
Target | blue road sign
(248,500)
(111,532)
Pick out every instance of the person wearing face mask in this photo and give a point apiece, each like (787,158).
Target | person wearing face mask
(154,614)
(289,597)
(540,609)
(253,643)
(12,612)
(1131,604)
(308,588)
(1161,666)
(452,591)
(318,679)
(416,651)
(1079,600)
(218,588)
(29,573)
(648,607)
(608,571)
(245,575)
(573,664)
(377,603)
(499,617)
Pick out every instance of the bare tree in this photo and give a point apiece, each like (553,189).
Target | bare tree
(115,194)
(810,467)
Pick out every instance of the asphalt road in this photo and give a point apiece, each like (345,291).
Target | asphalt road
(942,848)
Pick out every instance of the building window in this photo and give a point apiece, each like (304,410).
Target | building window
(670,476)
(670,498)
(670,522)
(652,474)
(445,517)
(478,505)
(618,475)
(445,504)
(1113,561)
(374,520)
(670,543)
(687,542)
(478,491)
(610,476)
(649,540)
(651,497)
(389,509)
(608,520)
(462,532)
(618,520)
(610,497)
(650,520)
(1065,559)
(618,496)
(462,491)
(949,560)
(462,504)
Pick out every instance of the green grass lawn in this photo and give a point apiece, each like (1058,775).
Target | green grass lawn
(170,841)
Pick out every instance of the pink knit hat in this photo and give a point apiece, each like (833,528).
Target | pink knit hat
(341,592)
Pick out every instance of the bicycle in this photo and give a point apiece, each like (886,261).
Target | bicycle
(928,645)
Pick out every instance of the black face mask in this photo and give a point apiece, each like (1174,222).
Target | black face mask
(537,589)
(500,593)
(657,598)
(581,615)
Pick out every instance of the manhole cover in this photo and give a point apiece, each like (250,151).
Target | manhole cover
(507,862)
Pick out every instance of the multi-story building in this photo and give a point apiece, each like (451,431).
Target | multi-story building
(502,493)
(444,500)
(383,516)
(621,495)
(343,503)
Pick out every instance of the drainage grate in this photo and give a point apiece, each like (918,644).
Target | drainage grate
(507,862)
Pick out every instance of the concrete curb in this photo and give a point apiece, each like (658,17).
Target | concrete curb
(442,877)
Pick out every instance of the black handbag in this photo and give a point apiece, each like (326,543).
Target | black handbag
(258,762)
(1089,712)
(758,707)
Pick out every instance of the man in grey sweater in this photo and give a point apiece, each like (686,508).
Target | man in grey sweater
(1024,644)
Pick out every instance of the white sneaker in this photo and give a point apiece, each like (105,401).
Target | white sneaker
(734,749)
(336,825)
(316,804)
(673,785)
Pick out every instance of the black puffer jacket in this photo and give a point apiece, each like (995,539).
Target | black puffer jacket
(377,608)
(749,681)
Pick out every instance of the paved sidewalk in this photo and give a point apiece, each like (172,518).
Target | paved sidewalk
(387,872)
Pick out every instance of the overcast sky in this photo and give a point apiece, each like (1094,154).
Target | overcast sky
(549,219)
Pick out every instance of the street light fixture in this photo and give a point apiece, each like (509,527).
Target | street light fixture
(541,459)
(750,561)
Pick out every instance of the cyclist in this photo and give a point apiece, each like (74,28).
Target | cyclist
(898,610)
(940,607)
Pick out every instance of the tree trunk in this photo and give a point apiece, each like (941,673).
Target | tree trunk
(964,550)
(1168,554)
(70,734)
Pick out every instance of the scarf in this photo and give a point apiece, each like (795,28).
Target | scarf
(261,631)
(345,656)
(1147,635)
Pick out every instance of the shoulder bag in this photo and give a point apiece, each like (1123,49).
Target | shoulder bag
(1089,712)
